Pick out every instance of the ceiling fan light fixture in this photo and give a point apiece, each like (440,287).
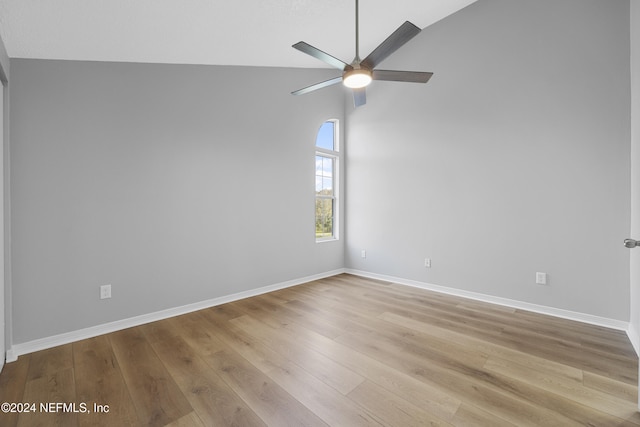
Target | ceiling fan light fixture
(359,73)
(357,78)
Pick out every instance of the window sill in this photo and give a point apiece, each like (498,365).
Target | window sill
(327,239)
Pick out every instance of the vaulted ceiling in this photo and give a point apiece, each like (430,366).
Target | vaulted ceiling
(249,32)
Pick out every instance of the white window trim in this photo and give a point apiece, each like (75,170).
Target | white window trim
(335,154)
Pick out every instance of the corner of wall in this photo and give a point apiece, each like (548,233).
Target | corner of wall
(4,63)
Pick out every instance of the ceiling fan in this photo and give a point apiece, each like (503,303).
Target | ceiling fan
(360,73)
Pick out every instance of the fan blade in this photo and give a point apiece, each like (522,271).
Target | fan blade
(359,97)
(399,37)
(322,56)
(402,76)
(317,86)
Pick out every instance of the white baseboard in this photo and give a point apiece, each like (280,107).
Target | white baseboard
(551,311)
(17,350)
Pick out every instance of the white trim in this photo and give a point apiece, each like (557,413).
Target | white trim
(551,311)
(93,331)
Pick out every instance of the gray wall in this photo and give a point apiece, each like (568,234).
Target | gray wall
(513,159)
(174,184)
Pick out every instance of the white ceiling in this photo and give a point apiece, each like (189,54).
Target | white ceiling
(249,32)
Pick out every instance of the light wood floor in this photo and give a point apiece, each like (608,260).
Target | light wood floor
(343,351)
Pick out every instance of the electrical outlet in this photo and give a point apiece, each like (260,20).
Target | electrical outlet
(427,262)
(363,254)
(541,278)
(105,291)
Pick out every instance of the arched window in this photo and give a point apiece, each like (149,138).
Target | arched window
(327,181)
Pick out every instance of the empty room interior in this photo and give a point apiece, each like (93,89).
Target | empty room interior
(189,243)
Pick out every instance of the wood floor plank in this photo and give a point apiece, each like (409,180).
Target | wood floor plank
(578,329)
(189,420)
(275,406)
(159,331)
(324,326)
(605,346)
(327,403)
(568,407)
(213,400)
(484,307)
(157,398)
(98,380)
(562,386)
(472,416)
(51,390)
(191,330)
(429,346)
(325,369)
(614,388)
(12,385)
(613,365)
(330,297)
(488,348)
(393,410)
(447,318)
(324,401)
(462,382)
(50,361)
(420,394)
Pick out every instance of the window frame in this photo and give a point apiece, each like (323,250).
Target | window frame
(334,155)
